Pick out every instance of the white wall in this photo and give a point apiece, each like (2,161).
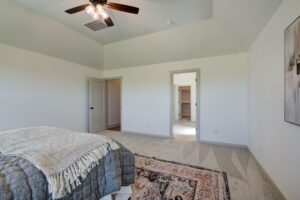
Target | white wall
(197,40)
(274,142)
(27,29)
(185,79)
(113,102)
(223,106)
(39,90)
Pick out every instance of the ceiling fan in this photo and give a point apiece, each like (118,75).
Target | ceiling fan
(95,9)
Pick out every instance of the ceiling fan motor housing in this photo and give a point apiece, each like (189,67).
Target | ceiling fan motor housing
(98,1)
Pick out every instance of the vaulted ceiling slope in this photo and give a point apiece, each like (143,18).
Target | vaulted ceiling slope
(234,26)
(201,39)
(27,29)
(153,16)
(244,19)
(167,29)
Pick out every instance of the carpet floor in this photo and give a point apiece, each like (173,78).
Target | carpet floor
(245,178)
(184,129)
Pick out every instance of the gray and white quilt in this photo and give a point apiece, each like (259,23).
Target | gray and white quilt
(21,179)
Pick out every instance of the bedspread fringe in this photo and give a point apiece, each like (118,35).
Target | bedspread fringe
(60,184)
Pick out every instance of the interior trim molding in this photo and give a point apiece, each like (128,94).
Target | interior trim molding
(145,134)
(265,173)
(224,144)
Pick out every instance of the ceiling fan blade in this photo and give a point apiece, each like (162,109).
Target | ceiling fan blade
(77,9)
(123,8)
(108,21)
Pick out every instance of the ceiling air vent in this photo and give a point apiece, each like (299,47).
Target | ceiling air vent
(96,25)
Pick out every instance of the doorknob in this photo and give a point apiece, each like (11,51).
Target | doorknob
(92,108)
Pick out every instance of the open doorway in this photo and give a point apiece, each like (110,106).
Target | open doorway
(113,104)
(184,105)
(105,104)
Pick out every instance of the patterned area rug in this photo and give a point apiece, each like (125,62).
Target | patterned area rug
(164,180)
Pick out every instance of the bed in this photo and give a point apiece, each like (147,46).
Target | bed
(23,177)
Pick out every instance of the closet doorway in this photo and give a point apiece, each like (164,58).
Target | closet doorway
(184,110)
(105,96)
(113,104)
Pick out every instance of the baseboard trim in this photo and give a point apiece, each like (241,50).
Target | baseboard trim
(113,126)
(145,134)
(224,144)
(267,174)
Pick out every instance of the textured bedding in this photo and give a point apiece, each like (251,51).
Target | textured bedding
(64,156)
(21,180)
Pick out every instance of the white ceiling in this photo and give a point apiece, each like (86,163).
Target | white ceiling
(234,26)
(201,28)
(153,16)
(26,29)
(244,19)
(197,40)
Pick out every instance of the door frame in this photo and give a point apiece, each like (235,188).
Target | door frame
(172,73)
(121,98)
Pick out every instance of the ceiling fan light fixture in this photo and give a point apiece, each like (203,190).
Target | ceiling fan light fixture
(96,10)
(99,8)
(101,12)
(96,16)
(104,15)
(90,10)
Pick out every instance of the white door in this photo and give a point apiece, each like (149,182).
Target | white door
(97,98)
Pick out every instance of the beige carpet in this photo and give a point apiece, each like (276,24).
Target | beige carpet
(246,180)
(184,129)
